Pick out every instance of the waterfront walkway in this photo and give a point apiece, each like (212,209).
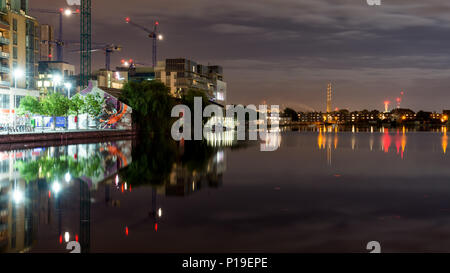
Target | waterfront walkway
(60,135)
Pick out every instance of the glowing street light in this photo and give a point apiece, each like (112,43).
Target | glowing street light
(160,37)
(68,85)
(56,81)
(18,73)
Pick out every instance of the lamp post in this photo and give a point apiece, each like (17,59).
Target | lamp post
(18,73)
(68,85)
(56,81)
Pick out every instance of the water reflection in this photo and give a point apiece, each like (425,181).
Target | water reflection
(37,185)
(157,195)
(328,138)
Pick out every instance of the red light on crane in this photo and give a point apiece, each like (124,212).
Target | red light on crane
(127,19)
(156,23)
(61,10)
(131,60)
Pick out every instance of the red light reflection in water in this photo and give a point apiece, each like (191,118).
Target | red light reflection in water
(386,141)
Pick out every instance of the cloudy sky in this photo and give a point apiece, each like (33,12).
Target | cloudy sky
(286,51)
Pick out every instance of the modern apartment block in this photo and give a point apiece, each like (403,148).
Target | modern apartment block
(19,56)
(182,74)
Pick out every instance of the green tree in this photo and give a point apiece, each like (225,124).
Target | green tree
(94,104)
(55,105)
(151,103)
(77,106)
(288,112)
(29,105)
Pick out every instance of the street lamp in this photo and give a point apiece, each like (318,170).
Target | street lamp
(68,85)
(56,81)
(18,73)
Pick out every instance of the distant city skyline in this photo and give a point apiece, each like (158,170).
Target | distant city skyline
(286,51)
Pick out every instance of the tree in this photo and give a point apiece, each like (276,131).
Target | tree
(55,105)
(77,106)
(288,112)
(94,104)
(151,103)
(29,105)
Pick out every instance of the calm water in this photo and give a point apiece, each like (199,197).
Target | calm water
(319,192)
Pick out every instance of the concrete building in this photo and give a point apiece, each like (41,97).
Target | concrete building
(19,55)
(111,79)
(47,51)
(182,74)
(55,76)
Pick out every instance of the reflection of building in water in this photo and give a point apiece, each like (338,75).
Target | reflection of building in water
(223,139)
(184,181)
(34,183)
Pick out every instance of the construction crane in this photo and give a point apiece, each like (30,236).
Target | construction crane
(108,49)
(153,34)
(58,42)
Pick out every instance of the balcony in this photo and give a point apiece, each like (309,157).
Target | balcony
(4,55)
(4,69)
(5,83)
(4,41)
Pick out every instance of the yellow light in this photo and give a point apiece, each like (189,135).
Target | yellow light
(404,117)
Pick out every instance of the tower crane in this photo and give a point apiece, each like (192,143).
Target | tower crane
(59,42)
(108,49)
(153,34)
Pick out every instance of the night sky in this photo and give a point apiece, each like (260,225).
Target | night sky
(286,51)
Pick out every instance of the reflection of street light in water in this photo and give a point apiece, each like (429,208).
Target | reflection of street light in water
(56,187)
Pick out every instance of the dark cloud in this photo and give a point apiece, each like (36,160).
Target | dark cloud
(285,51)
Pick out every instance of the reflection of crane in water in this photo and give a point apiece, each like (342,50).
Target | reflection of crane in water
(154,215)
(85,216)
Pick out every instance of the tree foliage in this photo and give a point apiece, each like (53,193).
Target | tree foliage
(288,112)
(29,105)
(151,103)
(55,105)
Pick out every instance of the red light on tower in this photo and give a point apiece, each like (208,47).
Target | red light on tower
(122,61)
(61,10)
(386,105)
(156,23)
(127,19)
(131,60)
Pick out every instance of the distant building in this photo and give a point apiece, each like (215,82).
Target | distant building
(111,79)
(47,50)
(182,74)
(54,76)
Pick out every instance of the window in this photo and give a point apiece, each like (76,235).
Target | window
(4,101)
(15,24)
(15,52)
(15,38)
